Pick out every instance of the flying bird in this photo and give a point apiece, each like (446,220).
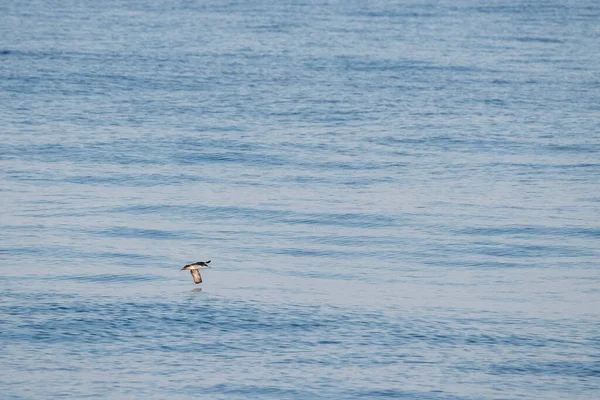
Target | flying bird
(193,268)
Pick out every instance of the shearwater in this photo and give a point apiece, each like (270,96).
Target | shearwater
(193,268)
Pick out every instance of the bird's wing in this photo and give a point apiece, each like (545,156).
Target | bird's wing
(196,275)
(196,263)
(203,263)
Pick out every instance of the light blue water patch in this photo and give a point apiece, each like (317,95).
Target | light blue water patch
(399,200)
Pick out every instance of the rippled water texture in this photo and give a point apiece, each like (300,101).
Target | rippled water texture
(399,200)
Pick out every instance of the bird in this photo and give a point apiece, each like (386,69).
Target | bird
(193,268)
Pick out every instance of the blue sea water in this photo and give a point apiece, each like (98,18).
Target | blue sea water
(400,199)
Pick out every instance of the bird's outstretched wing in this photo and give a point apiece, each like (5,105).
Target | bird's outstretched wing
(196,275)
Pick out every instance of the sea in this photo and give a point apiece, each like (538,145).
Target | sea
(399,199)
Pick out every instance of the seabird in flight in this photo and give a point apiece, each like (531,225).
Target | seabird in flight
(193,268)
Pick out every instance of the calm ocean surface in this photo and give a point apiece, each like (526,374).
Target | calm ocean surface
(399,200)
